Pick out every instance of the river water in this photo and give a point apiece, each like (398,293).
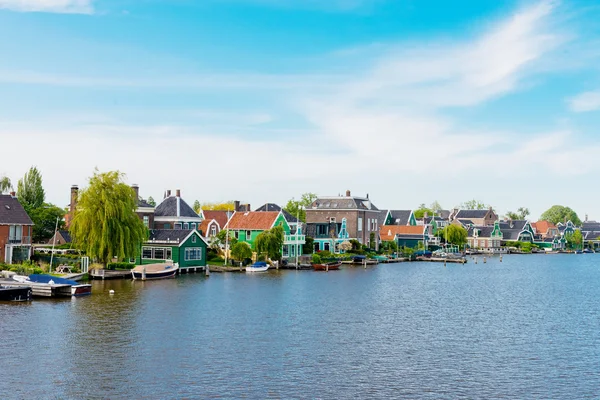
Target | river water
(527,327)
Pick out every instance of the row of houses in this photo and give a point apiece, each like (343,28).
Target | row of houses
(178,232)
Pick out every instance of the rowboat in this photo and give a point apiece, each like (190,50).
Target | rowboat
(259,266)
(15,293)
(77,289)
(155,271)
(331,266)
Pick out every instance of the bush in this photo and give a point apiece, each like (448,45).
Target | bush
(120,265)
(316,259)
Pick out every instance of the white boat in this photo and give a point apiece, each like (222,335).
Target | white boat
(259,266)
(155,271)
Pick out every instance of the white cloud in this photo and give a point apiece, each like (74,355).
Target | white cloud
(587,101)
(53,6)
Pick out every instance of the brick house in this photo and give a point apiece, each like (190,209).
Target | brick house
(475,217)
(333,220)
(16,229)
(175,213)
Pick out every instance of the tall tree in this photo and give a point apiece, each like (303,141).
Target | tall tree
(420,212)
(5,184)
(575,239)
(473,205)
(270,243)
(240,251)
(29,189)
(521,214)
(44,221)
(436,207)
(557,213)
(455,234)
(298,207)
(197,207)
(151,201)
(105,224)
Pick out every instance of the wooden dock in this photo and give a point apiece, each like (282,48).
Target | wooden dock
(42,289)
(104,274)
(443,260)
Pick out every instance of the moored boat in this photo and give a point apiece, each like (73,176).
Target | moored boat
(259,266)
(331,266)
(15,293)
(155,271)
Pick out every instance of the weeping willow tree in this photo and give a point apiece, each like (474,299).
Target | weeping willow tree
(270,243)
(105,224)
(5,184)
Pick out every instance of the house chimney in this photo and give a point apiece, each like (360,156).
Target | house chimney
(13,194)
(426,215)
(74,194)
(178,193)
(236,205)
(136,189)
(168,192)
(347,193)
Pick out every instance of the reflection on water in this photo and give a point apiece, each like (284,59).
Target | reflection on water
(524,328)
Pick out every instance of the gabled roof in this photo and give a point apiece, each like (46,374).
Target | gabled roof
(172,235)
(174,206)
(253,220)
(342,203)
(445,214)
(274,207)
(485,231)
(12,212)
(543,226)
(469,214)
(221,216)
(66,236)
(144,204)
(400,217)
(389,232)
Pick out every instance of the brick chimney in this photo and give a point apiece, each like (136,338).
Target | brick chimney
(169,193)
(13,194)
(136,189)
(72,205)
(178,193)
(347,193)
(236,205)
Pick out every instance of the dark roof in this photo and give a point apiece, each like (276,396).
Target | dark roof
(514,224)
(428,219)
(169,234)
(445,214)
(468,214)
(466,222)
(66,235)
(310,230)
(484,231)
(144,204)
(400,217)
(590,226)
(274,207)
(12,212)
(343,203)
(168,208)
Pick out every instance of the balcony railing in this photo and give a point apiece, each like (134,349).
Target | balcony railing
(19,239)
(294,239)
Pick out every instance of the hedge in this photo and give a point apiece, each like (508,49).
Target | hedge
(120,265)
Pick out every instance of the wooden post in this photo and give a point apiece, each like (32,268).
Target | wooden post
(326,267)
(144,273)
(500,257)
(484,260)
(475,260)
(207,270)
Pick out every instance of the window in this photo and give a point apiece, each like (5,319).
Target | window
(193,253)
(326,247)
(167,226)
(159,254)
(236,234)
(368,224)
(322,230)
(186,226)
(193,225)
(146,221)
(213,231)
(360,224)
(248,235)
(147,252)
(178,225)
(194,239)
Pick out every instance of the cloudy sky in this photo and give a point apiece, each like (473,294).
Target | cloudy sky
(410,101)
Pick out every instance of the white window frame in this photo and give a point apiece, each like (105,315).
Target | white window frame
(248,235)
(213,230)
(177,226)
(186,226)
(360,222)
(146,220)
(193,254)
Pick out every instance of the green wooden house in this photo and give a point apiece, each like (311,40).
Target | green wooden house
(246,226)
(184,246)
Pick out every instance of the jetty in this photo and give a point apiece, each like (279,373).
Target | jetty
(104,274)
(443,260)
(42,289)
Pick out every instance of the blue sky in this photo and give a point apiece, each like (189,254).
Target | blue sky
(262,100)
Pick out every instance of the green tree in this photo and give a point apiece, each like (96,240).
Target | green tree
(226,206)
(389,247)
(151,201)
(270,243)
(456,235)
(309,246)
(222,240)
(436,207)
(105,224)
(557,213)
(574,240)
(473,205)
(44,220)
(420,212)
(5,184)
(521,214)
(29,189)
(197,207)
(298,207)
(240,251)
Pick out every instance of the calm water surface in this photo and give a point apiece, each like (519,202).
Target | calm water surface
(528,327)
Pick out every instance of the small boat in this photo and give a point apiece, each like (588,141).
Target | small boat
(588,251)
(155,271)
(331,266)
(15,293)
(77,289)
(259,266)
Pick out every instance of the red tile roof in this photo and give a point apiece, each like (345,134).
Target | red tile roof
(217,215)
(389,232)
(253,220)
(542,227)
